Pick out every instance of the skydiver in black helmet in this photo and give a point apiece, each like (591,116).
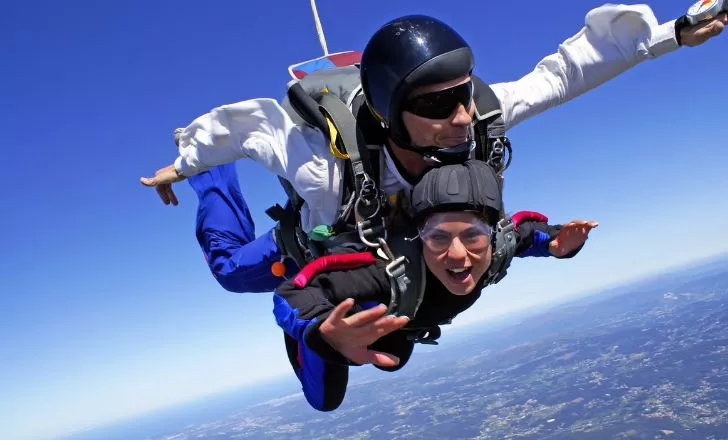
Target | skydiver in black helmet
(416,74)
(331,312)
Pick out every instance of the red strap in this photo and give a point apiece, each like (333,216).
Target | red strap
(522,216)
(332,262)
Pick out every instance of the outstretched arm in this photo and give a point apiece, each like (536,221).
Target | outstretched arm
(615,38)
(536,238)
(257,129)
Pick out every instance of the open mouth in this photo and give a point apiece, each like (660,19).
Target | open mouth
(459,275)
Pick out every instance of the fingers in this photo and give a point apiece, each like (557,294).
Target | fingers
(716,28)
(164,190)
(148,181)
(703,31)
(362,318)
(710,28)
(571,236)
(163,194)
(589,223)
(360,329)
(365,356)
(579,227)
(166,175)
(340,311)
(167,194)
(384,326)
(172,196)
(382,359)
(367,335)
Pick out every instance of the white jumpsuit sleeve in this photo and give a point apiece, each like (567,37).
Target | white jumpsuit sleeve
(261,130)
(614,39)
(257,129)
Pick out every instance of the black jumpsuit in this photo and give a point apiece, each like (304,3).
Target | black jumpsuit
(323,371)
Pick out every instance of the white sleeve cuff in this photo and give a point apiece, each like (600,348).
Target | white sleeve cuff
(663,39)
(183,168)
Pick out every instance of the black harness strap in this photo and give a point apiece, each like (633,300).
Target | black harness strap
(370,202)
(490,128)
(288,236)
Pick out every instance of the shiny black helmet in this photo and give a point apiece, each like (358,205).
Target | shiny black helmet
(405,53)
(470,186)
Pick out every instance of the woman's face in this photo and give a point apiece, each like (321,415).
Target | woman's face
(457,249)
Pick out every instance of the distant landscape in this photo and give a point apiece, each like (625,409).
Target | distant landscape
(644,361)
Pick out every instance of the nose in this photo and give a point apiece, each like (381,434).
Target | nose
(457,250)
(461,116)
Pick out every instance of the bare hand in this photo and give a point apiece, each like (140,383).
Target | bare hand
(162,181)
(571,236)
(351,335)
(700,33)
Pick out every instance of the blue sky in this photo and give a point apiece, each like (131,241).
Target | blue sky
(106,306)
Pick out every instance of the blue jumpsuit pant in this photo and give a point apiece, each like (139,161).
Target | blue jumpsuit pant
(239,261)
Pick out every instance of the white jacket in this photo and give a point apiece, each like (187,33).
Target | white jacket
(614,39)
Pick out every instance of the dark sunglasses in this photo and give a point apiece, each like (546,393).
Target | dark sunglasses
(440,105)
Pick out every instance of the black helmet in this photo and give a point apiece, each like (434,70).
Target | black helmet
(405,53)
(470,186)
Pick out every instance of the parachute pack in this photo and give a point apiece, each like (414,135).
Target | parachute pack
(326,93)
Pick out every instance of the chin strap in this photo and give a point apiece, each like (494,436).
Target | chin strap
(439,156)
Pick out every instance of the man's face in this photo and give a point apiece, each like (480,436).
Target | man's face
(439,114)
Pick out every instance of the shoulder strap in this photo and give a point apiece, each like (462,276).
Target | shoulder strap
(488,109)
(320,103)
(370,203)
(490,127)
(345,124)
(490,130)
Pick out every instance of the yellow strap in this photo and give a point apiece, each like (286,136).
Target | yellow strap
(333,134)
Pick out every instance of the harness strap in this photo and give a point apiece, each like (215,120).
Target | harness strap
(504,249)
(490,129)
(336,111)
(287,235)
(406,271)
(369,202)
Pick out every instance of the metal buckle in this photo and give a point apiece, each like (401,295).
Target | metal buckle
(368,197)
(394,263)
(427,336)
(497,154)
(400,278)
(363,233)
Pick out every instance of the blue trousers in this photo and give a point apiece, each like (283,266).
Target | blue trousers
(239,261)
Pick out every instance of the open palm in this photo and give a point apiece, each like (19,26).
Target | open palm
(571,236)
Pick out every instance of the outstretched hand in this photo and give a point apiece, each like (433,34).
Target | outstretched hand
(162,181)
(571,236)
(352,335)
(701,32)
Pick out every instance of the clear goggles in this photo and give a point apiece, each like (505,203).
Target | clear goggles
(475,238)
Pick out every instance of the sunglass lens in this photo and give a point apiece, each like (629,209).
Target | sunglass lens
(440,105)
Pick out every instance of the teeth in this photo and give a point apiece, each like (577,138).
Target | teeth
(458,270)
